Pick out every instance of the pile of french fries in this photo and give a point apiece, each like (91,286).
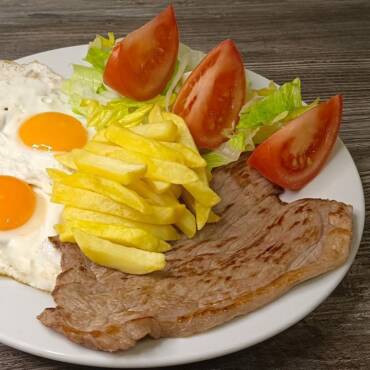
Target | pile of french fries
(130,191)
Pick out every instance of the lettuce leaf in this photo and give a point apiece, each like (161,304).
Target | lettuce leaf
(187,60)
(86,82)
(266,111)
(99,51)
(123,111)
(285,99)
(230,150)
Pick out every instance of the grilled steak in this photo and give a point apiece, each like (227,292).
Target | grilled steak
(259,250)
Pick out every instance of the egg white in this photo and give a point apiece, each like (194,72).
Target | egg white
(26,90)
(26,254)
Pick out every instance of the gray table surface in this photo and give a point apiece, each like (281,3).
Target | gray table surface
(326,44)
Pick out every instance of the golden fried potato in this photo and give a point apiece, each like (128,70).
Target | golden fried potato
(107,167)
(213,218)
(192,158)
(137,116)
(186,223)
(109,188)
(102,148)
(184,134)
(164,131)
(155,115)
(201,212)
(202,193)
(85,199)
(146,191)
(138,143)
(66,159)
(202,215)
(176,190)
(158,186)
(99,137)
(65,234)
(200,189)
(164,232)
(134,123)
(165,171)
(98,202)
(157,169)
(119,257)
(132,237)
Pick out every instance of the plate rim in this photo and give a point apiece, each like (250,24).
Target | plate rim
(73,359)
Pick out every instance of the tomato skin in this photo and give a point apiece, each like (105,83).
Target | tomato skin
(295,154)
(212,96)
(140,66)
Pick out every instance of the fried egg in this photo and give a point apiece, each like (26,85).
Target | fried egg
(35,123)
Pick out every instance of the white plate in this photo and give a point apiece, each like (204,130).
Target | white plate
(20,304)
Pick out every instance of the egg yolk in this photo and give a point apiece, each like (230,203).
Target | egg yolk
(53,131)
(17,202)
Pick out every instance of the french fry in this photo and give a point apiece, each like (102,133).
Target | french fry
(66,159)
(202,174)
(213,218)
(147,192)
(186,139)
(110,168)
(99,137)
(201,212)
(155,115)
(202,215)
(137,238)
(186,223)
(101,148)
(137,210)
(85,199)
(164,131)
(164,232)
(119,257)
(109,188)
(193,158)
(56,175)
(138,143)
(158,186)
(202,193)
(136,116)
(183,130)
(200,190)
(65,233)
(176,190)
(166,171)
(134,123)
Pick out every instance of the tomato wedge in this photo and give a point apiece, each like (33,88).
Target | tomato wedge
(213,95)
(295,154)
(140,66)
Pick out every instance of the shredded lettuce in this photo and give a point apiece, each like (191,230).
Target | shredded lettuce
(99,51)
(230,150)
(266,111)
(286,99)
(187,60)
(123,111)
(86,82)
